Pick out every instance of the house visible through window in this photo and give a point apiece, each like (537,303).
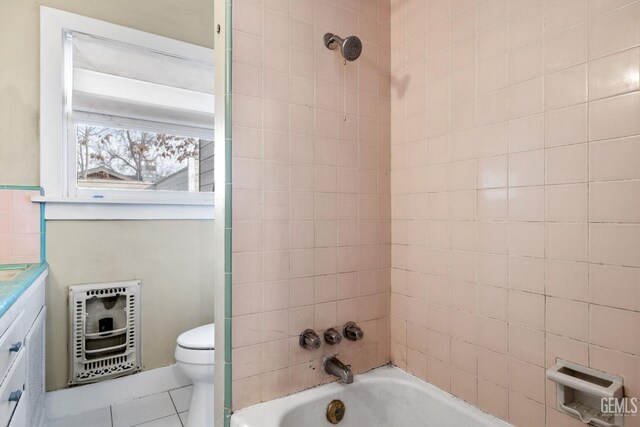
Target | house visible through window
(128,159)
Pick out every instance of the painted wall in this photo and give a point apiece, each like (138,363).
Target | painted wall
(311,203)
(172,258)
(515,186)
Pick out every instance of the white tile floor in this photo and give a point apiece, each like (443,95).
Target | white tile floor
(167,409)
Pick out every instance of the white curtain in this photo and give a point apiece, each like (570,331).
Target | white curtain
(134,83)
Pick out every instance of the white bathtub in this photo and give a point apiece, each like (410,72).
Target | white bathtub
(385,397)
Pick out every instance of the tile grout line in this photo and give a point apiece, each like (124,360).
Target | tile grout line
(174,405)
(156,419)
(544,205)
(588,184)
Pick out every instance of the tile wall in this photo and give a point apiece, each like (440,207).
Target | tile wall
(311,190)
(19,227)
(515,196)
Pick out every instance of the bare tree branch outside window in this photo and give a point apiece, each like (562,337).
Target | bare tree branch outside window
(135,159)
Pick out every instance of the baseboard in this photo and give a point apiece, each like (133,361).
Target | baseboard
(75,400)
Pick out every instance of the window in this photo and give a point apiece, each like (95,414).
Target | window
(127,122)
(130,159)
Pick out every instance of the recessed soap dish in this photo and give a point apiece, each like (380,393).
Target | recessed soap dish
(580,392)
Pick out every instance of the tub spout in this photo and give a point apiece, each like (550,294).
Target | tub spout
(338,369)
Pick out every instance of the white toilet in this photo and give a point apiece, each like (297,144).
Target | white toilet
(194,355)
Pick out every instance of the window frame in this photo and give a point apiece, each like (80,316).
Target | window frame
(58,172)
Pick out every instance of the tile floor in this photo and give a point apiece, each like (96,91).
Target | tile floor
(167,409)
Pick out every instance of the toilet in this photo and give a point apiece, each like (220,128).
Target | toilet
(195,357)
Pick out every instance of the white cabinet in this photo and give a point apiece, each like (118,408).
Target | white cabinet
(11,343)
(34,344)
(12,392)
(22,358)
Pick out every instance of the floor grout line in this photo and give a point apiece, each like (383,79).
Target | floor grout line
(175,407)
(156,419)
(174,411)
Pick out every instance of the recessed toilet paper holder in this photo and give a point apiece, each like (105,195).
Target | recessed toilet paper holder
(580,392)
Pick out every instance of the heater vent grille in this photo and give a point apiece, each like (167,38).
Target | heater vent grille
(109,371)
(105,331)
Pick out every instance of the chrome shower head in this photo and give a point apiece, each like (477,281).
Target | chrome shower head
(350,47)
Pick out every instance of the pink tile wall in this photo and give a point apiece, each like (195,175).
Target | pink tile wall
(19,227)
(311,190)
(515,183)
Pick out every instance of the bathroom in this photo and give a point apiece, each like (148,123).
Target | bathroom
(393,212)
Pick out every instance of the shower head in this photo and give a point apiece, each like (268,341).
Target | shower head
(350,47)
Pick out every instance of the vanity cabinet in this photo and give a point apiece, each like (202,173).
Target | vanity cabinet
(22,341)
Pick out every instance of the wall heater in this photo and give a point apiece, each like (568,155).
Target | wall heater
(105,331)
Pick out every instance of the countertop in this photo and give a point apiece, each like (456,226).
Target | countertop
(11,290)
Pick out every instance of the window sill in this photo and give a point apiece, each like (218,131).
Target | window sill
(67,208)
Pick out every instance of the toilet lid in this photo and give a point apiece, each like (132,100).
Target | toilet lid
(200,338)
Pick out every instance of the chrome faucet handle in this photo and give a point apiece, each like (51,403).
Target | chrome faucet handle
(352,332)
(309,339)
(331,336)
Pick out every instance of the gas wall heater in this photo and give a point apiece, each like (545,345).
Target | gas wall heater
(105,331)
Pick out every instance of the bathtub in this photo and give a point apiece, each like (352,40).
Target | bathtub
(385,397)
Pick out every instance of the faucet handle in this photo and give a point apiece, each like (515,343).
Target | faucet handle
(352,332)
(331,336)
(309,339)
